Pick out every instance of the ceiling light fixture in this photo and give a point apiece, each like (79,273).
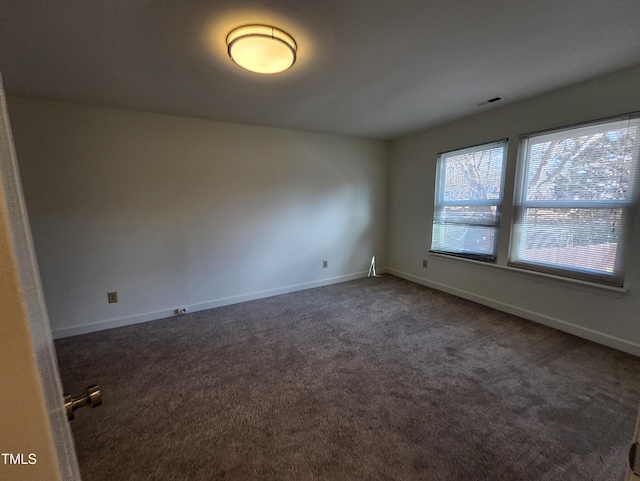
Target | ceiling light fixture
(261,48)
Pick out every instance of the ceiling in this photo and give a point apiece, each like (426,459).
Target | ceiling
(366,68)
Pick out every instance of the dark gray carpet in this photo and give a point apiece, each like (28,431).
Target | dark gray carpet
(374,379)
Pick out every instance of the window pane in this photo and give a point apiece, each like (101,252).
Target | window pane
(468,201)
(464,239)
(583,164)
(580,239)
(473,175)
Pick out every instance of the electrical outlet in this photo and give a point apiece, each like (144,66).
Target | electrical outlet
(325,264)
(424,263)
(180,310)
(112,296)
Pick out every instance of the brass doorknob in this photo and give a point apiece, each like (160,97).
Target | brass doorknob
(90,397)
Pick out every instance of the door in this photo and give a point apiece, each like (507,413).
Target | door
(26,337)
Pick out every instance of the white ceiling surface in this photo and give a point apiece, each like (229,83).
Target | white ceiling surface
(367,68)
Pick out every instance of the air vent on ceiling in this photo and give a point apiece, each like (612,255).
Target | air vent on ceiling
(490,101)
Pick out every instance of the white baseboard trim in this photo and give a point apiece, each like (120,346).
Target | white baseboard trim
(201,306)
(580,331)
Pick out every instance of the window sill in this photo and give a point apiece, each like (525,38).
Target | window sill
(609,291)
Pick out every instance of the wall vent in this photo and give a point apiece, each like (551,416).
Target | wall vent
(490,101)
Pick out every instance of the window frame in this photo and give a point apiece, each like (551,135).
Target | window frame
(521,204)
(440,203)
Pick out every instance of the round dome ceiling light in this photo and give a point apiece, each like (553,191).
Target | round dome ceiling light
(261,48)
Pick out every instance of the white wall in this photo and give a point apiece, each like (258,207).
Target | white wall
(171,211)
(592,313)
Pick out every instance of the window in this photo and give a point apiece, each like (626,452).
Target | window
(468,200)
(573,206)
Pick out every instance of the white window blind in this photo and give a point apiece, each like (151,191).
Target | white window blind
(468,201)
(577,188)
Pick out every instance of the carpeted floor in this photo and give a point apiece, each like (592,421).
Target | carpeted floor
(374,379)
